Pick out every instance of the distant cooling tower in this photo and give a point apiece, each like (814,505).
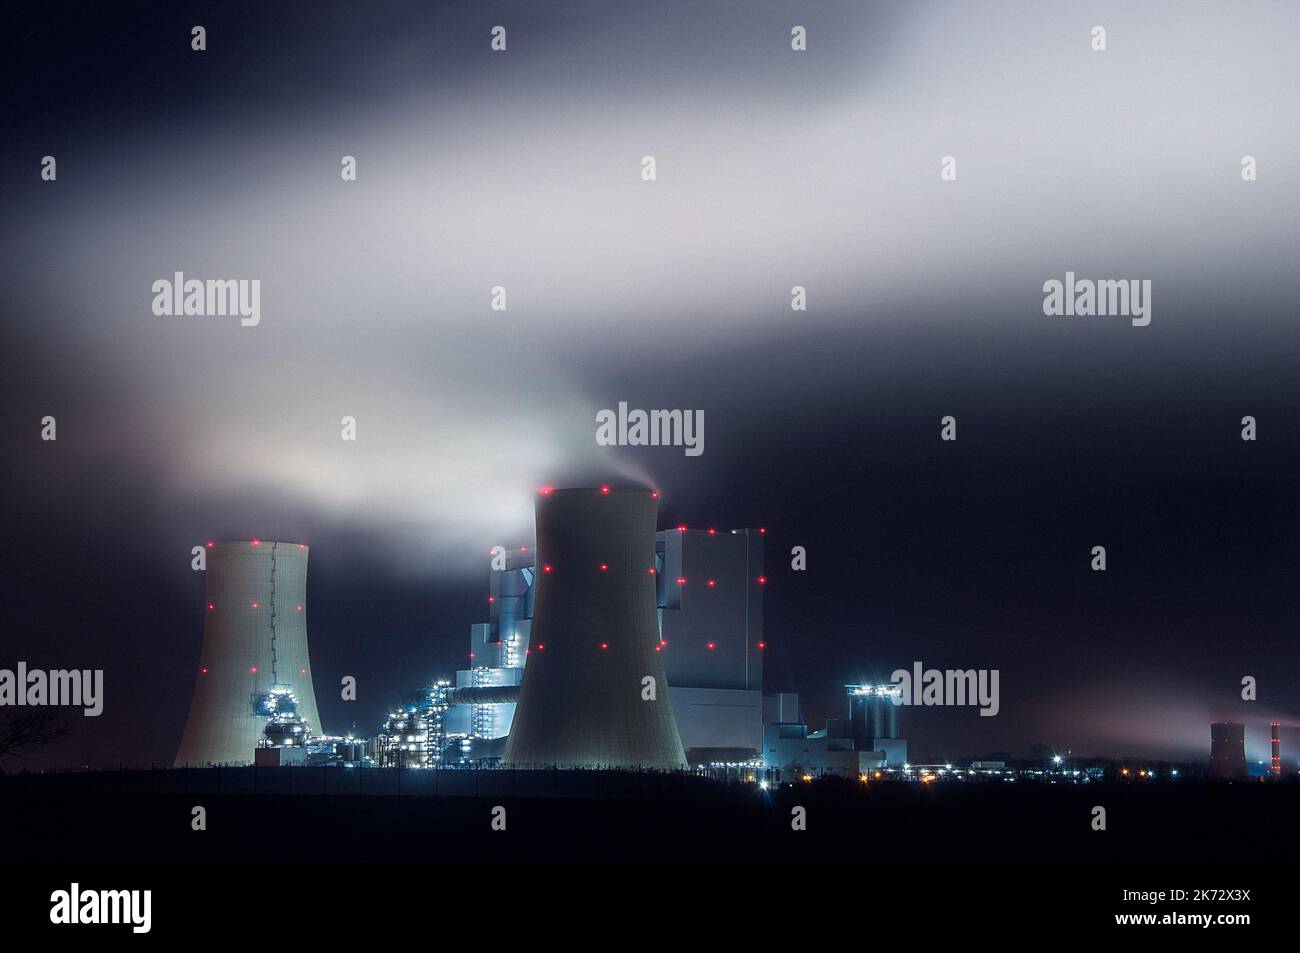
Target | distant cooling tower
(1228,750)
(254,637)
(595,639)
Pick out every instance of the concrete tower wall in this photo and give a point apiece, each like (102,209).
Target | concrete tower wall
(1228,750)
(594,638)
(254,636)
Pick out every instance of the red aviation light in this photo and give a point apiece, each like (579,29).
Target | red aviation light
(652,570)
(762,580)
(604,646)
(712,583)
(654,494)
(492,598)
(253,669)
(471,654)
(762,645)
(762,531)
(541,646)
(604,489)
(604,567)
(681,580)
(681,529)
(298,608)
(256,605)
(256,541)
(546,568)
(211,544)
(713,532)
(659,648)
(204,670)
(211,606)
(302,671)
(711,646)
(546,490)
(302,545)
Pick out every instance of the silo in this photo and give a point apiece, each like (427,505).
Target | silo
(1228,750)
(585,699)
(254,637)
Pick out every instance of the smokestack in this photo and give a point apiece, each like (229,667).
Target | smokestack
(254,637)
(594,692)
(1275,765)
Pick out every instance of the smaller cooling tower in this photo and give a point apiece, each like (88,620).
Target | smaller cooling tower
(1275,740)
(1228,750)
(254,638)
(595,640)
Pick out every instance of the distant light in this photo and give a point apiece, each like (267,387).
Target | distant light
(604,489)
(211,544)
(663,642)
(546,568)
(253,669)
(256,541)
(762,645)
(299,608)
(204,671)
(652,570)
(681,580)
(1056,759)
(712,645)
(302,671)
(523,549)
(713,532)
(471,654)
(762,580)
(256,605)
(712,583)
(541,647)
(681,529)
(492,598)
(762,530)
(604,645)
(654,494)
(302,546)
(658,648)
(212,605)
(546,490)
(604,567)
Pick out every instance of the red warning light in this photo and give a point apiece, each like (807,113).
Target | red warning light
(302,671)
(604,567)
(762,530)
(762,645)
(302,546)
(523,549)
(762,580)
(471,654)
(492,598)
(211,544)
(604,645)
(212,605)
(681,529)
(298,608)
(652,570)
(541,647)
(546,490)
(658,648)
(712,583)
(256,605)
(713,532)
(204,671)
(681,580)
(654,494)
(253,669)
(604,489)
(546,568)
(256,541)
(711,646)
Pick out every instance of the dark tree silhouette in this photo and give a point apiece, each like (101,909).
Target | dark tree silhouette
(23,730)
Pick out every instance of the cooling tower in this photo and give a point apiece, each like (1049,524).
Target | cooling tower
(1228,750)
(254,636)
(595,639)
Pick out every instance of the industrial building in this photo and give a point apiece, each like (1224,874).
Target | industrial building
(865,741)
(593,693)
(1228,750)
(254,664)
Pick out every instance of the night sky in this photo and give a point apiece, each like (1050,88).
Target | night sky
(522,169)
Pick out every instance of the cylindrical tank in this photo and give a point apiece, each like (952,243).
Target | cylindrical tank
(254,637)
(594,692)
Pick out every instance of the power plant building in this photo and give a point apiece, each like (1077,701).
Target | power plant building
(1228,750)
(254,649)
(593,693)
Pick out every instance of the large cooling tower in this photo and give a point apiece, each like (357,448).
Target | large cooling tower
(254,636)
(595,639)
